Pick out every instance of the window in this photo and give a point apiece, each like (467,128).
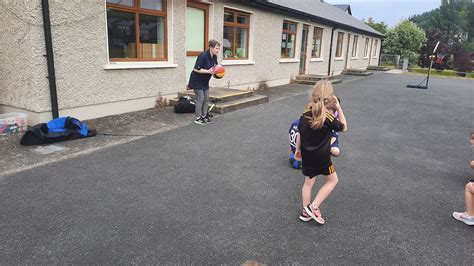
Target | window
(366,48)
(354,46)
(288,39)
(340,42)
(236,34)
(317,41)
(137,30)
(374,54)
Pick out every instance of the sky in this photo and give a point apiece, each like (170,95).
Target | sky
(389,11)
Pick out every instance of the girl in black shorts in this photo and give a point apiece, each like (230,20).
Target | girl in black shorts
(313,147)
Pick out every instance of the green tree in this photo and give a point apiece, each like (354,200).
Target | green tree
(378,26)
(453,18)
(404,39)
(452,22)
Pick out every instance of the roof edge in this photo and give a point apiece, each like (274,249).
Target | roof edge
(265,3)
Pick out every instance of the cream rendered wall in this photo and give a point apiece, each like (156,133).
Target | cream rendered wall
(87,85)
(265,63)
(319,66)
(23,72)
(360,62)
(375,57)
(82,49)
(338,62)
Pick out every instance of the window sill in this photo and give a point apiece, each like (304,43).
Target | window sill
(237,62)
(135,65)
(354,58)
(316,60)
(289,60)
(339,59)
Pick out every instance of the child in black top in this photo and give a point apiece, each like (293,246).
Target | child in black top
(199,80)
(313,147)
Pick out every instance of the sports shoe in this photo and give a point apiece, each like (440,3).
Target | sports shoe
(315,214)
(463,217)
(207,119)
(200,120)
(304,216)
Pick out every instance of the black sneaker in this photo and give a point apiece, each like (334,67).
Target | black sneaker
(200,121)
(207,119)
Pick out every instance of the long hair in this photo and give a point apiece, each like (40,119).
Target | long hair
(320,96)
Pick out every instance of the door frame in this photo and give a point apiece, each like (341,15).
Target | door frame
(204,7)
(304,50)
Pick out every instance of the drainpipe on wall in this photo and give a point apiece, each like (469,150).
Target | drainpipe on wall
(49,57)
(330,50)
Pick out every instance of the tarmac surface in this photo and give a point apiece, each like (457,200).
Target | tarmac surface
(181,193)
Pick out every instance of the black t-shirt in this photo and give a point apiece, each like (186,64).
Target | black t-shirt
(315,143)
(201,81)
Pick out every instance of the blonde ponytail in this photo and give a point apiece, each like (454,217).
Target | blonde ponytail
(319,97)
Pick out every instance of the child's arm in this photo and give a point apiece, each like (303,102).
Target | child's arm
(204,71)
(342,117)
(199,63)
(298,145)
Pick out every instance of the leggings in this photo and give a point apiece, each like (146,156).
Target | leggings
(202,100)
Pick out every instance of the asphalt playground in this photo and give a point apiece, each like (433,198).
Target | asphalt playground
(224,193)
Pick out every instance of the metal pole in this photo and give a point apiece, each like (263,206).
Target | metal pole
(429,71)
(50,58)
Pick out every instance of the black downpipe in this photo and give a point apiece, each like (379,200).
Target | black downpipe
(330,51)
(50,58)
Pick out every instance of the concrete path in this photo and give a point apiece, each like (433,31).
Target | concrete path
(224,193)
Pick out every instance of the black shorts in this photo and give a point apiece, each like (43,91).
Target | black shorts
(312,172)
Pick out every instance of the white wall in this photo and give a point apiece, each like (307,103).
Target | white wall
(89,86)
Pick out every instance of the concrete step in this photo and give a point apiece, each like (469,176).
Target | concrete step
(225,107)
(357,72)
(312,82)
(220,94)
(313,77)
(222,107)
(378,68)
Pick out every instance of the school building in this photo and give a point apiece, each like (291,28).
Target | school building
(106,57)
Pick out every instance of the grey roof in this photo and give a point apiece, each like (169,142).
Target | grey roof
(344,7)
(325,11)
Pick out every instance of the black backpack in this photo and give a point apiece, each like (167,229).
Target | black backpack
(185,104)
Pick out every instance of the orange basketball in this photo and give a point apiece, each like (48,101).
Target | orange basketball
(219,72)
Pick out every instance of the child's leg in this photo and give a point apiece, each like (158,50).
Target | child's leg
(326,189)
(334,150)
(469,194)
(334,144)
(306,191)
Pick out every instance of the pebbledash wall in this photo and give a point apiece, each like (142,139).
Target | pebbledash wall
(89,86)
